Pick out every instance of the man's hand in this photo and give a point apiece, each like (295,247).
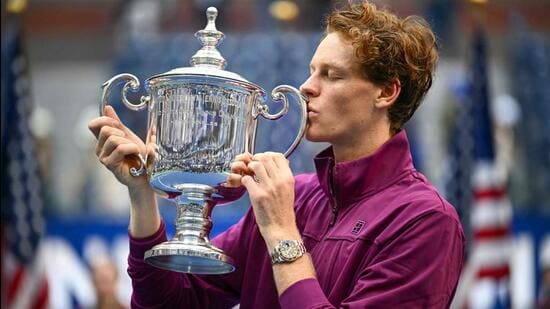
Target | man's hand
(270,185)
(118,147)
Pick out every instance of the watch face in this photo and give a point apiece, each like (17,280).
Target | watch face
(288,249)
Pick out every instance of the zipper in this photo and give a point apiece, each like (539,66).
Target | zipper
(334,215)
(335,208)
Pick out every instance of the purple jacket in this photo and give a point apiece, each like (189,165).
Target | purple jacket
(380,237)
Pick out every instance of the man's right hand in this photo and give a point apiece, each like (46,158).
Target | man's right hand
(118,148)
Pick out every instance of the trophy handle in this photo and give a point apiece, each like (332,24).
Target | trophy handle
(279,94)
(131,82)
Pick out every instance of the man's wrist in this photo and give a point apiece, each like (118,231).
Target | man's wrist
(272,237)
(139,186)
(141,192)
(287,251)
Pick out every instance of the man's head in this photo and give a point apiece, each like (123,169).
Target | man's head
(387,49)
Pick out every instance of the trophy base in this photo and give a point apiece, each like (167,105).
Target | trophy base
(189,258)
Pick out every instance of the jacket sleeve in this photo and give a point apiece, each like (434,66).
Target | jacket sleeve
(157,288)
(419,268)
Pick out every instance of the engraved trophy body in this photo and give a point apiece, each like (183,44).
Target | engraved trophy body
(199,119)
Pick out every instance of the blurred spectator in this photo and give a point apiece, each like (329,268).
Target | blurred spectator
(105,279)
(41,124)
(99,192)
(545,293)
(544,299)
(104,274)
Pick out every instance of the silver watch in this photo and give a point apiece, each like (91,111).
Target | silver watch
(287,251)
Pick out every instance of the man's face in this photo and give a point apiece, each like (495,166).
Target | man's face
(341,107)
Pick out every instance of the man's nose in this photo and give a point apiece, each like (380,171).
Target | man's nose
(309,88)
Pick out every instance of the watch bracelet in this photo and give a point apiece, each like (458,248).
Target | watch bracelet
(277,258)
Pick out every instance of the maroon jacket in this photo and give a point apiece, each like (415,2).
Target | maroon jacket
(380,237)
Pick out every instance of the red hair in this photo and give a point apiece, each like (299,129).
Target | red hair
(389,48)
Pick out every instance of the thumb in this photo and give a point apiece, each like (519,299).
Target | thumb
(109,111)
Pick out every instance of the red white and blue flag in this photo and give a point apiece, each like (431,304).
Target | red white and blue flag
(23,278)
(491,213)
(485,280)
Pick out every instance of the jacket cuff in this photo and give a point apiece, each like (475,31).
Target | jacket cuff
(305,293)
(138,246)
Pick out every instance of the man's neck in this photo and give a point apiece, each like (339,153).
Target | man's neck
(359,148)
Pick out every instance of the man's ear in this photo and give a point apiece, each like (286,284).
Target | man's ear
(389,94)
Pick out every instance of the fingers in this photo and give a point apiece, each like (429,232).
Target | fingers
(105,133)
(111,119)
(259,170)
(245,157)
(113,146)
(267,162)
(109,125)
(262,166)
(96,124)
(280,160)
(239,167)
(250,184)
(242,167)
(283,165)
(233,181)
(111,143)
(275,163)
(118,154)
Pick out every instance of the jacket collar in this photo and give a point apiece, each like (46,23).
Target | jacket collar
(364,176)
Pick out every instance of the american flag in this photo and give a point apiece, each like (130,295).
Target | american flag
(491,212)
(487,271)
(24,283)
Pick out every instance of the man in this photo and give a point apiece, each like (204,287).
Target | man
(366,231)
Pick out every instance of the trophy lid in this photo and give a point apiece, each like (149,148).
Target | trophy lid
(208,61)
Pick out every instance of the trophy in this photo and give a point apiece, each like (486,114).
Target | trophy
(199,119)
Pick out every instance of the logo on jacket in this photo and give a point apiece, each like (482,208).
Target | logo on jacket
(358,226)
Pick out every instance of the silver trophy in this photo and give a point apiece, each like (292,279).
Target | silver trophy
(199,119)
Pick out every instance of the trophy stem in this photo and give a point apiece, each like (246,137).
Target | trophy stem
(190,251)
(193,223)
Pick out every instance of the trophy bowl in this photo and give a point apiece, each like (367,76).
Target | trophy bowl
(199,119)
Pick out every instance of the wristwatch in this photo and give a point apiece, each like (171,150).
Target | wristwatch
(287,251)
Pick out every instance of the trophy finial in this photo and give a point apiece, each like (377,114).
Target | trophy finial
(210,37)
(211,14)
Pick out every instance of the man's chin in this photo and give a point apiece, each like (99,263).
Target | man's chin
(314,138)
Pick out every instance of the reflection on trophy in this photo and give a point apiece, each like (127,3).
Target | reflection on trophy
(199,119)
